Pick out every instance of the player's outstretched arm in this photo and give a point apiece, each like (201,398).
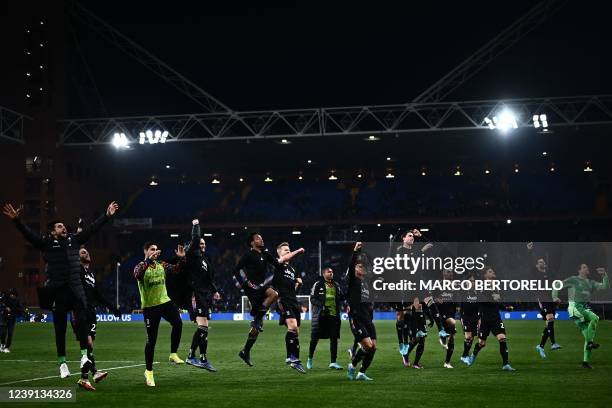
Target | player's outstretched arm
(605,281)
(195,235)
(569,282)
(175,267)
(88,232)
(350,272)
(15,215)
(239,274)
(287,257)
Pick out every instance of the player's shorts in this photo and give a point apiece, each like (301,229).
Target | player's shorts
(547,308)
(581,313)
(447,310)
(91,324)
(362,329)
(470,324)
(326,327)
(256,296)
(201,307)
(401,306)
(494,327)
(419,294)
(289,309)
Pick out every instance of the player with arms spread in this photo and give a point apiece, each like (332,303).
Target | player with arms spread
(579,291)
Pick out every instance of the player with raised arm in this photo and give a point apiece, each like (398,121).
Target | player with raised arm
(94,298)
(423,303)
(579,291)
(445,299)
(286,281)
(64,287)
(361,313)
(470,319)
(545,303)
(201,277)
(250,276)
(155,303)
(491,322)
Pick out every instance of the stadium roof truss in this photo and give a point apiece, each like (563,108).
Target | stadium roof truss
(426,113)
(355,120)
(11,125)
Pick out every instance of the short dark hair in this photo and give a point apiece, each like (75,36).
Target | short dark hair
(362,260)
(251,238)
(51,224)
(148,245)
(406,233)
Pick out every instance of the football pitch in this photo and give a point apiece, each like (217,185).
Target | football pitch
(557,381)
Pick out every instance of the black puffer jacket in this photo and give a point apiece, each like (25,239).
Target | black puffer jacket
(198,265)
(15,307)
(62,255)
(317,300)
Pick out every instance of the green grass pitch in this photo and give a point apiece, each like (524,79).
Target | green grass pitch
(557,381)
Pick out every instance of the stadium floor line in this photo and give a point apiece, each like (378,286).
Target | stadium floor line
(57,376)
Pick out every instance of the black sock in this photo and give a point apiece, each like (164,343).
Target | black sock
(367,360)
(551,331)
(451,348)
(295,349)
(419,320)
(399,328)
(503,350)
(419,350)
(434,313)
(333,349)
(477,348)
(250,342)
(545,335)
(354,348)
(467,345)
(292,343)
(408,318)
(413,343)
(149,355)
(175,336)
(90,354)
(406,326)
(203,340)
(313,346)
(358,356)
(260,314)
(194,343)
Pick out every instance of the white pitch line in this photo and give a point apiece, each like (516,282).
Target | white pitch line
(57,376)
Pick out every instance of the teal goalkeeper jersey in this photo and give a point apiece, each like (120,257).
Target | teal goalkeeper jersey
(580,289)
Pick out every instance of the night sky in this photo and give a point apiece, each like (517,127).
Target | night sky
(289,56)
(300,56)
